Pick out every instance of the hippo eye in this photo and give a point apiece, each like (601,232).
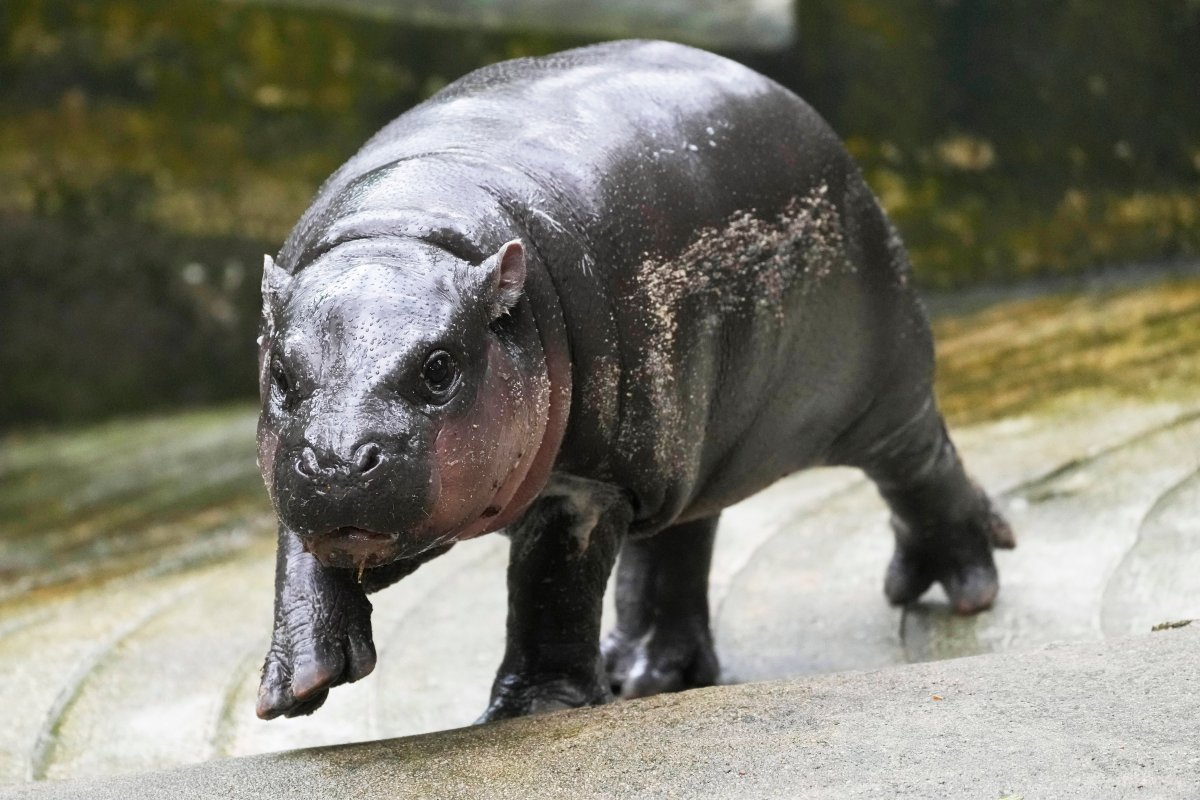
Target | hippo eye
(440,374)
(280,380)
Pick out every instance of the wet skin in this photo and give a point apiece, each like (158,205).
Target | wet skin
(591,300)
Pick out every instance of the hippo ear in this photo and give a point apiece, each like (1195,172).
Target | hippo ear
(273,280)
(505,277)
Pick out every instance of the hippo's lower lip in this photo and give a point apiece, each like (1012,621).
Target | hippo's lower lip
(353,547)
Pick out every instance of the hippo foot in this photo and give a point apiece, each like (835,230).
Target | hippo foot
(959,559)
(667,659)
(309,656)
(518,696)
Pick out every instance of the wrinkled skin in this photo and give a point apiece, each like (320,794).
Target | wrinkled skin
(592,300)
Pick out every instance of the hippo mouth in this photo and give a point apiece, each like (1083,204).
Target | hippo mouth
(354,548)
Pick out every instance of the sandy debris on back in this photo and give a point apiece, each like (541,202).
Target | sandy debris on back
(747,266)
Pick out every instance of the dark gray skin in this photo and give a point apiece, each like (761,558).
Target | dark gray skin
(591,299)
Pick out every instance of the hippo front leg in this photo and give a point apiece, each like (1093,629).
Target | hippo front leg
(563,550)
(322,635)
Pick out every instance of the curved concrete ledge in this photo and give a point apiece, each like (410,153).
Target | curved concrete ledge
(1111,719)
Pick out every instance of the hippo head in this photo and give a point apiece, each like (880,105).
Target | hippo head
(404,398)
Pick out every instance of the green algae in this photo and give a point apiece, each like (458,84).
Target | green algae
(1035,355)
(128,265)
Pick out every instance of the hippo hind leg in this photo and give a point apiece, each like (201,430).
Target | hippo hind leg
(662,641)
(945,525)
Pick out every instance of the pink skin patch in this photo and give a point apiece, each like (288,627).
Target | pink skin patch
(482,458)
(557,379)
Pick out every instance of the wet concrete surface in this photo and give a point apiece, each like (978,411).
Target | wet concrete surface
(1110,719)
(133,620)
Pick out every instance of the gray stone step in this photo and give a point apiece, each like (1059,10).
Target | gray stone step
(809,598)
(1156,579)
(159,667)
(1107,719)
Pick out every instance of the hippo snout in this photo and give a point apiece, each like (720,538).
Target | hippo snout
(366,459)
(361,502)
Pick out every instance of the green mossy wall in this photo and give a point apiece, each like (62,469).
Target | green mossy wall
(151,151)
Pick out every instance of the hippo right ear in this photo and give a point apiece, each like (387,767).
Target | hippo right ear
(505,277)
(274,279)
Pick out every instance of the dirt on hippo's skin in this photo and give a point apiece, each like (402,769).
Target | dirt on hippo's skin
(747,263)
(599,386)
(745,267)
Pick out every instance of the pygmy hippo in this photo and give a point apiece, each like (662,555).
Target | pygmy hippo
(590,299)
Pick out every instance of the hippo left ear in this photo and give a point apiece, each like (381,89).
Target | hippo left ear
(505,277)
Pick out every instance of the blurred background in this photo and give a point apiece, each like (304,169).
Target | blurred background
(151,152)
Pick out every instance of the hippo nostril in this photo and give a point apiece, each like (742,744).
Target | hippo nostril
(367,458)
(307,464)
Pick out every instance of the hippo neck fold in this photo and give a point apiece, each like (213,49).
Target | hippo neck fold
(520,490)
(552,333)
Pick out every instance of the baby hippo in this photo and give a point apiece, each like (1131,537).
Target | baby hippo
(590,300)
